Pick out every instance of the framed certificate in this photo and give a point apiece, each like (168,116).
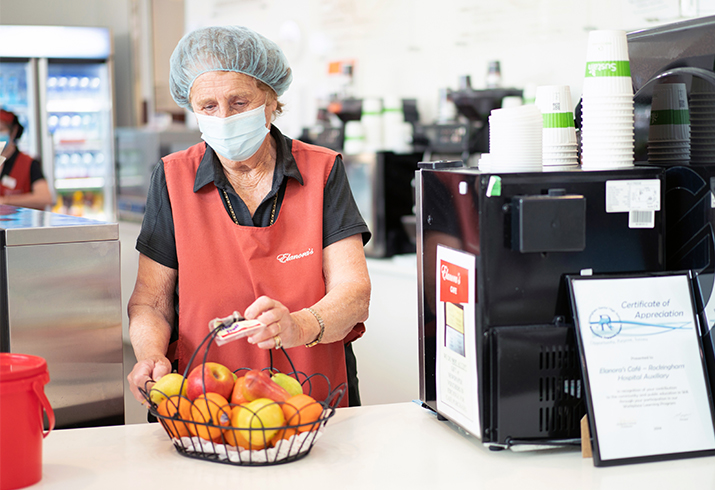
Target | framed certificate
(647,389)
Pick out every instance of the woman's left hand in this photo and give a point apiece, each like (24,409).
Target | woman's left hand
(280,329)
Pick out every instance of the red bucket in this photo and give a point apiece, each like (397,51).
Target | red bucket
(22,401)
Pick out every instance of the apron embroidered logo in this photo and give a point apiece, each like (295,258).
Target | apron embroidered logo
(283,258)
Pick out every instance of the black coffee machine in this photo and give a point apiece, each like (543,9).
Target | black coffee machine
(525,232)
(461,138)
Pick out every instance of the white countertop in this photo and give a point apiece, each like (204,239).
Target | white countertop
(392,446)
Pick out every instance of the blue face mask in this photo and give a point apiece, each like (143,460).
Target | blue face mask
(236,137)
(4,138)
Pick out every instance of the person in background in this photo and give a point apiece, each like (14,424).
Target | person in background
(249,221)
(22,182)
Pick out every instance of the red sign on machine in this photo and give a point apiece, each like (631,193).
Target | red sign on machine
(453,283)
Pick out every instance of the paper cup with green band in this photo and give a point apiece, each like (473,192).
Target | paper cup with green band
(558,120)
(371,119)
(670,96)
(669,115)
(558,136)
(354,138)
(620,103)
(608,69)
(612,141)
(607,115)
(669,124)
(553,98)
(554,102)
(607,45)
(607,86)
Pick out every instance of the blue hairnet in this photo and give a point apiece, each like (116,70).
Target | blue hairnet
(226,48)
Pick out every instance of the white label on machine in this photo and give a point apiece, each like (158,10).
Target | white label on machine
(456,363)
(623,196)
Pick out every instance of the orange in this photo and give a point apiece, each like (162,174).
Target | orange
(286,434)
(301,410)
(210,411)
(175,409)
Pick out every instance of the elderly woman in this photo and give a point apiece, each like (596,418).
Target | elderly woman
(249,221)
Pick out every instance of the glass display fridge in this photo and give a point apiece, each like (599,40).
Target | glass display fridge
(58,80)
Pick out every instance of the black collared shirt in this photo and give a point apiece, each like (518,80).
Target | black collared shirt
(341,217)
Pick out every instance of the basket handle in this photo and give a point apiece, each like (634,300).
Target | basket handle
(38,387)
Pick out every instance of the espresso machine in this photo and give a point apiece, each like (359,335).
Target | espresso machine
(511,361)
(382,182)
(468,133)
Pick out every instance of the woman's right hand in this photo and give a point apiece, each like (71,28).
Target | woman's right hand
(146,370)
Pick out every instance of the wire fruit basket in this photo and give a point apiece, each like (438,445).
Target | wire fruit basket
(257,433)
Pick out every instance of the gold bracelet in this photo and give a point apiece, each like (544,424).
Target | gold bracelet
(322,328)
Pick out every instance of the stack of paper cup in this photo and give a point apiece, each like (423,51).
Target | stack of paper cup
(354,138)
(702,121)
(511,101)
(559,145)
(514,140)
(607,120)
(394,137)
(669,131)
(371,120)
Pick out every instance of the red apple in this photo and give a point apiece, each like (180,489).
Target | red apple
(214,377)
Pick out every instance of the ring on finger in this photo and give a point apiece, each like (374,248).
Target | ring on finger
(277,340)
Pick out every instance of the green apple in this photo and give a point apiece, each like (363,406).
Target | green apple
(289,383)
(169,385)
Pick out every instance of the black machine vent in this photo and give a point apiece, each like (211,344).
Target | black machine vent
(539,403)
(557,391)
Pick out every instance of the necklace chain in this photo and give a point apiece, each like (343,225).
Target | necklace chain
(233,214)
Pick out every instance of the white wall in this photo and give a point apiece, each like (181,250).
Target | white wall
(412,48)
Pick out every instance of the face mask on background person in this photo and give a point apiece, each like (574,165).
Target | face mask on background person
(236,137)
(4,139)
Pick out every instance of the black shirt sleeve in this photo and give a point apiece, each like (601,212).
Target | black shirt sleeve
(156,239)
(36,172)
(341,216)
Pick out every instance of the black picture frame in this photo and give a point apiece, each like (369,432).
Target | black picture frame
(646,456)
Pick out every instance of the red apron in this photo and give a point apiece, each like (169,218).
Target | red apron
(224,267)
(18,180)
